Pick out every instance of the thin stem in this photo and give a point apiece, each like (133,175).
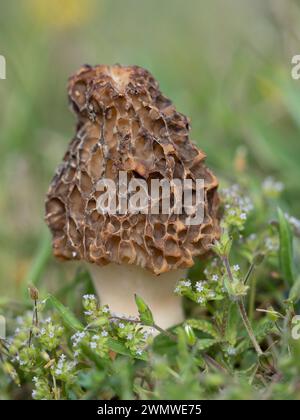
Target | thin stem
(36,313)
(252,298)
(120,318)
(35,322)
(214,363)
(242,310)
(165,332)
(55,389)
(227,266)
(249,272)
(247,324)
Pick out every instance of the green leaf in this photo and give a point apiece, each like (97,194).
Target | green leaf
(146,316)
(286,248)
(228,286)
(232,326)
(263,328)
(204,326)
(67,316)
(93,356)
(294,294)
(120,348)
(206,343)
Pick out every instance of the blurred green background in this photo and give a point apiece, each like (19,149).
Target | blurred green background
(226,64)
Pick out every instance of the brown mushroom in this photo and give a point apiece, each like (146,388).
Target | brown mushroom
(126,124)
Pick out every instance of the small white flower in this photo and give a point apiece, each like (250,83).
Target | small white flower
(148,333)
(33,393)
(89,297)
(104,333)
(88,313)
(271,245)
(105,309)
(76,353)
(93,345)
(200,286)
(236,267)
(69,366)
(200,300)
(34,379)
(60,364)
(121,325)
(58,371)
(231,351)
(63,357)
(129,336)
(51,334)
(243,216)
(95,337)
(270,185)
(215,277)
(214,263)
(232,212)
(185,283)
(48,320)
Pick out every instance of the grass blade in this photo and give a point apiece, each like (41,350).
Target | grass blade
(286,248)
(69,319)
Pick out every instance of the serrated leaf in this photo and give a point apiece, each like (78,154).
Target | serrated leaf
(145,313)
(68,318)
(206,343)
(232,326)
(286,248)
(243,346)
(204,326)
(263,329)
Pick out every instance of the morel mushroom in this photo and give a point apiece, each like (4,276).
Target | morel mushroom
(125,124)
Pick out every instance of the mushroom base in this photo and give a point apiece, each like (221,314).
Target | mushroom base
(116,286)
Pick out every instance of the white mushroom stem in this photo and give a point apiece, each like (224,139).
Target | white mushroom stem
(116,286)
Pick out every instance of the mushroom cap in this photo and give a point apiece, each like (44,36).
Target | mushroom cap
(126,124)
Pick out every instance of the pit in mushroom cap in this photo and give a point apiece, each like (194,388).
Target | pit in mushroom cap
(126,124)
